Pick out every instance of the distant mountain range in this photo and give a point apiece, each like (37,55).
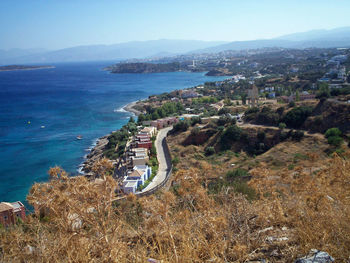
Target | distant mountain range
(128,50)
(339,37)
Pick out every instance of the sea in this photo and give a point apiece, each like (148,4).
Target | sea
(43,111)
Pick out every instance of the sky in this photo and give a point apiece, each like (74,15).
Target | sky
(56,24)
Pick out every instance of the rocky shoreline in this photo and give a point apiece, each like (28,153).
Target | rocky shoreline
(96,152)
(130,108)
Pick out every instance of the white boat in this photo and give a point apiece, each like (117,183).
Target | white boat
(79,137)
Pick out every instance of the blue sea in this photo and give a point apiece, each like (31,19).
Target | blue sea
(43,111)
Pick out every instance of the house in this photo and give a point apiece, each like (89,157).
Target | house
(135,178)
(302,97)
(137,156)
(186,94)
(151,131)
(272,95)
(162,123)
(142,141)
(11,212)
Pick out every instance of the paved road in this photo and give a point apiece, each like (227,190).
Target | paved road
(163,165)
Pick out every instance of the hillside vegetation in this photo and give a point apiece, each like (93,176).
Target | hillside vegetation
(212,212)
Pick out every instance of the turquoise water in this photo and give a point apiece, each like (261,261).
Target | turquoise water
(69,100)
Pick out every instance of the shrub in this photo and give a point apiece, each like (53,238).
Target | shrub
(245,189)
(335,140)
(223,111)
(175,160)
(235,174)
(195,120)
(181,126)
(231,134)
(223,120)
(195,131)
(297,135)
(209,150)
(333,132)
(291,104)
(282,125)
(333,136)
(296,117)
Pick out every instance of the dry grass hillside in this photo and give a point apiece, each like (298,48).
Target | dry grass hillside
(277,213)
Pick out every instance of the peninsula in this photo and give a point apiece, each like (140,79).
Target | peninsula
(144,67)
(22,67)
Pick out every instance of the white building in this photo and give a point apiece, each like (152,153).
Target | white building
(137,177)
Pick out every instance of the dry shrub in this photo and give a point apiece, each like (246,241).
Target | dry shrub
(302,211)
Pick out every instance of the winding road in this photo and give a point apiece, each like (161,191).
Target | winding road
(164,164)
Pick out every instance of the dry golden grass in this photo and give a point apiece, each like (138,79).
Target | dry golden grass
(187,224)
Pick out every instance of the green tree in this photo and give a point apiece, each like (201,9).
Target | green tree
(333,136)
(231,134)
(140,118)
(282,125)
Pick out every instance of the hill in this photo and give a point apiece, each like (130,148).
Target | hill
(143,67)
(128,50)
(339,37)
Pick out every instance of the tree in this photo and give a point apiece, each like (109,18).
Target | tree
(140,118)
(296,117)
(244,99)
(131,120)
(282,125)
(231,134)
(297,96)
(333,136)
(181,126)
(227,102)
(155,116)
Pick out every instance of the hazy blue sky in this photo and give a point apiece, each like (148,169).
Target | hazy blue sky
(57,24)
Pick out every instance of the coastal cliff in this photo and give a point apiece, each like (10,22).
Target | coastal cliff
(95,155)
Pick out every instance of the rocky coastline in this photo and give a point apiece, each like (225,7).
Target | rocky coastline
(96,152)
(23,67)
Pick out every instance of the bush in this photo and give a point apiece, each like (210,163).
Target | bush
(223,120)
(195,120)
(209,150)
(282,125)
(296,117)
(334,137)
(245,189)
(195,131)
(175,161)
(235,174)
(335,140)
(291,104)
(231,134)
(297,135)
(181,126)
(332,132)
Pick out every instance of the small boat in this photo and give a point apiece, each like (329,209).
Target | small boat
(42,127)
(79,137)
